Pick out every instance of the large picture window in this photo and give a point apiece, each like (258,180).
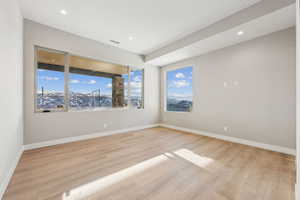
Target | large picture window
(67,82)
(179,91)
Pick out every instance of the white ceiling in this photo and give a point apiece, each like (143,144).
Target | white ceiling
(151,23)
(275,21)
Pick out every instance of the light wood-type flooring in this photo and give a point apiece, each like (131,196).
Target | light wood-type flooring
(153,164)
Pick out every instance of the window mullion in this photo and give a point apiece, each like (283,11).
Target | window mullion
(129,87)
(67,65)
(143,89)
(35,79)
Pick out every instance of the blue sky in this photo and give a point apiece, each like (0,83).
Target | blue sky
(50,80)
(86,84)
(53,81)
(136,83)
(180,83)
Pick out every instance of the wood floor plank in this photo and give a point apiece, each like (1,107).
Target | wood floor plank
(153,164)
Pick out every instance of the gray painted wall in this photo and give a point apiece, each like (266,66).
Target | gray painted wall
(261,107)
(41,127)
(11,117)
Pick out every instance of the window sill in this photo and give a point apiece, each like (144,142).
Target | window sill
(99,109)
(181,112)
(92,110)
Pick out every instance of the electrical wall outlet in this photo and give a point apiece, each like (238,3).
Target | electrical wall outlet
(104,125)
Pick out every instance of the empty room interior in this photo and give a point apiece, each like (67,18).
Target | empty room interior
(149,100)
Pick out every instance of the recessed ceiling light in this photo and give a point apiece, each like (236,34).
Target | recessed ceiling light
(130,38)
(63,12)
(240,33)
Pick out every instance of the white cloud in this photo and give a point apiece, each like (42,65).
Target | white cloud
(50,91)
(137,78)
(91,82)
(83,82)
(136,91)
(109,85)
(49,78)
(180,83)
(136,85)
(181,96)
(178,95)
(179,75)
(74,81)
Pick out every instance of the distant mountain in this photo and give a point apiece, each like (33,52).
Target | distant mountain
(179,105)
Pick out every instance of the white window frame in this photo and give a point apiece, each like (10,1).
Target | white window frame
(167,69)
(66,84)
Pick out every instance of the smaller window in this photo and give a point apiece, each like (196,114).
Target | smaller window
(137,88)
(126,88)
(179,90)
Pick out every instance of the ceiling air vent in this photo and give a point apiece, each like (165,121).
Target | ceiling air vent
(114,41)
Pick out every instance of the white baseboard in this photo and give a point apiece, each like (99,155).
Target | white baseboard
(236,140)
(205,133)
(10,173)
(84,137)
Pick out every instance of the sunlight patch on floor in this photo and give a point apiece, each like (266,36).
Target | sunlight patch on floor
(190,156)
(86,190)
